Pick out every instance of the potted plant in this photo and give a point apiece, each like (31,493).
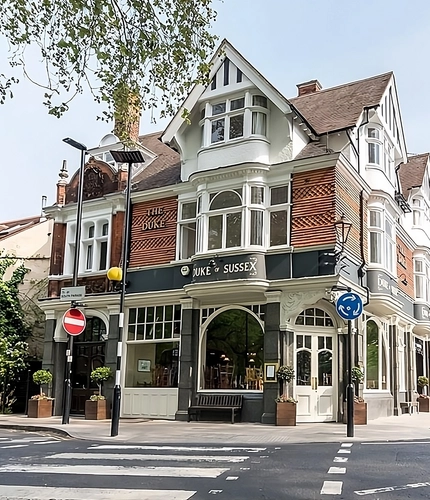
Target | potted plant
(286,406)
(360,406)
(96,407)
(423,399)
(40,405)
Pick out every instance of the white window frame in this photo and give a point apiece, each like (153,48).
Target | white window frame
(224,213)
(385,243)
(377,141)
(422,279)
(183,224)
(282,207)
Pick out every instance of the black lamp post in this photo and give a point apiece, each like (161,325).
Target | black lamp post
(69,353)
(128,157)
(343,228)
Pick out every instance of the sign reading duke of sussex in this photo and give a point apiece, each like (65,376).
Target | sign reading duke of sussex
(249,266)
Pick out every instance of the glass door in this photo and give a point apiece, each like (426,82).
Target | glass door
(314,377)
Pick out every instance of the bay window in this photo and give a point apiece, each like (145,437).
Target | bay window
(235,118)
(374,145)
(381,239)
(422,279)
(225,220)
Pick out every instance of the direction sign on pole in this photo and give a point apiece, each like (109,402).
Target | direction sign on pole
(74,321)
(70,293)
(349,306)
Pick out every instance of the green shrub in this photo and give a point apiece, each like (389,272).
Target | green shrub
(42,377)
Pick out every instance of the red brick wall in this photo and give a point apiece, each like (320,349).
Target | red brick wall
(405,268)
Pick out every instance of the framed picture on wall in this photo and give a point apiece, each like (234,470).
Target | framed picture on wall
(143,365)
(270,370)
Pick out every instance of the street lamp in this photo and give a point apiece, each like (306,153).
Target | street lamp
(69,353)
(343,228)
(128,157)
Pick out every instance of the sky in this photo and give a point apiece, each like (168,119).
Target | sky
(288,41)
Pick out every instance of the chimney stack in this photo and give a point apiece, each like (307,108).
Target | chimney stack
(308,87)
(61,184)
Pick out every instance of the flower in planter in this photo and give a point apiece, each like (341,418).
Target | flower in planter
(285,399)
(358,399)
(97,397)
(42,395)
(357,374)
(285,373)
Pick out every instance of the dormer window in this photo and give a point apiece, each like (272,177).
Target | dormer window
(374,145)
(233,119)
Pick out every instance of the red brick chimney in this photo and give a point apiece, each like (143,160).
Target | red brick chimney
(61,184)
(308,87)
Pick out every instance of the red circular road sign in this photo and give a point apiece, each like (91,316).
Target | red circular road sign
(74,321)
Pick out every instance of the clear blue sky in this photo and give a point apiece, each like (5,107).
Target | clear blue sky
(289,42)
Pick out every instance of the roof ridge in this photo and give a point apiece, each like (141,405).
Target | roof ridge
(343,85)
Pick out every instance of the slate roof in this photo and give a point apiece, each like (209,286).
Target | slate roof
(337,108)
(313,149)
(164,170)
(411,174)
(12,227)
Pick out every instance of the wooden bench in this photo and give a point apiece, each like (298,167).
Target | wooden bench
(409,406)
(232,402)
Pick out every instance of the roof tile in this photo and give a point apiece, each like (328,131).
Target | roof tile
(411,174)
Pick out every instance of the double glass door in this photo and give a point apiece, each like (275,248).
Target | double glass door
(315,368)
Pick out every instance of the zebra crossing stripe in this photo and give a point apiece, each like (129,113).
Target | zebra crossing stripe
(175,448)
(116,470)
(141,457)
(11,492)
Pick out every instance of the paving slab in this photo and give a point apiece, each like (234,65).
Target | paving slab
(395,428)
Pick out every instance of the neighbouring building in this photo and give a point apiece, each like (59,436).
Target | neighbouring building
(234,264)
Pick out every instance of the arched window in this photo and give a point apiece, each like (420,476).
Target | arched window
(376,360)
(232,352)
(225,220)
(314,317)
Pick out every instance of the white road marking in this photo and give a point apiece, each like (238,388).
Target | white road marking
(214,492)
(337,470)
(173,458)
(346,445)
(344,451)
(49,493)
(15,446)
(47,442)
(397,442)
(391,488)
(231,478)
(173,448)
(244,468)
(340,459)
(116,470)
(331,488)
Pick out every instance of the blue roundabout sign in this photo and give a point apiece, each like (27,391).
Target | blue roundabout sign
(349,306)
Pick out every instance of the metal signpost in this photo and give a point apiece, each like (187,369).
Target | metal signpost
(349,306)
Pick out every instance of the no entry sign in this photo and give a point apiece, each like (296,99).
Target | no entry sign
(74,321)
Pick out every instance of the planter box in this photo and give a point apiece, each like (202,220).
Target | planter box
(286,413)
(96,410)
(360,413)
(423,404)
(39,408)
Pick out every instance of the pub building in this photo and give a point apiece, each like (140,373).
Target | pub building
(247,225)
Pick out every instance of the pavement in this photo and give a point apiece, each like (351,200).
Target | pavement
(396,428)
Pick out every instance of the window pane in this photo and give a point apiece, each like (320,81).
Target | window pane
(226,199)
(140,330)
(325,368)
(375,219)
(374,153)
(259,100)
(257,195)
(141,315)
(237,104)
(202,113)
(320,342)
(169,313)
(303,376)
(217,130)
(236,126)
(373,132)
(234,230)
(238,75)
(258,123)
(376,248)
(417,218)
(89,263)
(372,363)
(388,228)
(215,232)
(419,266)
(218,108)
(279,195)
(132,315)
(103,255)
(188,240)
(91,232)
(189,210)
(256,227)
(278,228)
(299,341)
(308,341)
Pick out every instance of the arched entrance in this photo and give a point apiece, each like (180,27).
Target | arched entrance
(88,354)
(315,365)
(232,349)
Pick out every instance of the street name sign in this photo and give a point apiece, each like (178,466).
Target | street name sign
(70,293)
(74,321)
